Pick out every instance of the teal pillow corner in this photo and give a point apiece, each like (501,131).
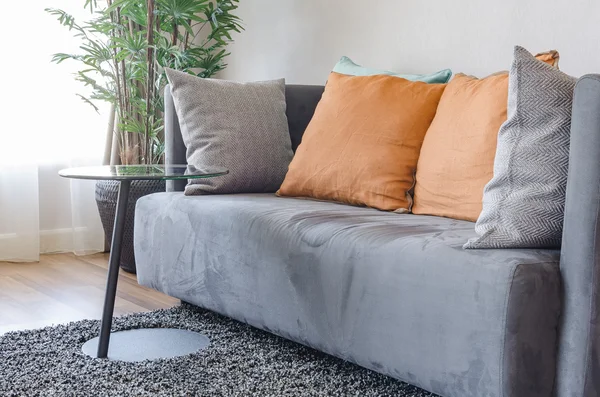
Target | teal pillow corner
(346,66)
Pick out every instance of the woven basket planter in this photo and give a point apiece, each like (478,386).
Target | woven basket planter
(106,199)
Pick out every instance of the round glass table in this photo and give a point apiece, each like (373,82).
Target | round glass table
(145,343)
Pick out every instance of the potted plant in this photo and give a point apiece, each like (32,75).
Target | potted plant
(125,47)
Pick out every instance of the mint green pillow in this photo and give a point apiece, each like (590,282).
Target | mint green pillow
(347,66)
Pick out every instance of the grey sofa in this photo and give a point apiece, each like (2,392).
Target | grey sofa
(393,293)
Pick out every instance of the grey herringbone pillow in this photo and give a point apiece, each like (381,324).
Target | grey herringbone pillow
(523,204)
(240,126)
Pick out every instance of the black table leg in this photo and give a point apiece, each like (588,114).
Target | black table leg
(113,269)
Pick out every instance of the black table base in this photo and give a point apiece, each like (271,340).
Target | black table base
(113,269)
(137,344)
(149,344)
(145,343)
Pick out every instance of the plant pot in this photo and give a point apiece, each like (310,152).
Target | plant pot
(106,199)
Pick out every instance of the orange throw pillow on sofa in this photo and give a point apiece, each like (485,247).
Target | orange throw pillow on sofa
(457,157)
(362,145)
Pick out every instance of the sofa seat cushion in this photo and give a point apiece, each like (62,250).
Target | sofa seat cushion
(396,293)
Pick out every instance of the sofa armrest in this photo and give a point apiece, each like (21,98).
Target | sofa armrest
(174,146)
(578,372)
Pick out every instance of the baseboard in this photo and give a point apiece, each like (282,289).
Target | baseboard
(14,245)
(7,236)
(64,240)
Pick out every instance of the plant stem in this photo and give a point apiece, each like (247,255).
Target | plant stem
(120,94)
(187,36)
(126,102)
(150,81)
(175,34)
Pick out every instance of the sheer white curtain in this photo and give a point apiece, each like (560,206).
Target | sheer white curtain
(45,127)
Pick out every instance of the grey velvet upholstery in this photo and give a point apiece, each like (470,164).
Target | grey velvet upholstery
(394,293)
(301,102)
(578,372)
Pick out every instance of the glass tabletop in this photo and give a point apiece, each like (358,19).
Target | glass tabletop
(142,172)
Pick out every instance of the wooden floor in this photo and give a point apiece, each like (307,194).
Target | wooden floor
(64,287)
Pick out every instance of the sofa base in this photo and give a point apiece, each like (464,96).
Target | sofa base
(393,293)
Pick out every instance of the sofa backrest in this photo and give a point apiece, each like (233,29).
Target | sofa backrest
(301,104)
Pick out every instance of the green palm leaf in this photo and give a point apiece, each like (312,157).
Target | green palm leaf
(114,53)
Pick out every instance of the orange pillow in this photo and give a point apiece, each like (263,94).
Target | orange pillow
(362,144)
(550,57)
(457,157)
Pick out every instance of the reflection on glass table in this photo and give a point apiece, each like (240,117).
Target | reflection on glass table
(143,172)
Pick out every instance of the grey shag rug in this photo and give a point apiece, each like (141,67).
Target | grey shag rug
(240,361)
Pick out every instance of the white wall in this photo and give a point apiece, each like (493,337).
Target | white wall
(302,39)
